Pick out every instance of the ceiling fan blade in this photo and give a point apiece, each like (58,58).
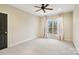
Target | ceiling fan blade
(48,8)
(37,6)
(37,10)
(46,5)
(44,10)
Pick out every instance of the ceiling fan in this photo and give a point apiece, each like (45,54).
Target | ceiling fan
(43,7)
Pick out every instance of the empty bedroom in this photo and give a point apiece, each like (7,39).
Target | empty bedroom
(39,29)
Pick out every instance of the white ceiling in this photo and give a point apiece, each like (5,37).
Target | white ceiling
(58,8)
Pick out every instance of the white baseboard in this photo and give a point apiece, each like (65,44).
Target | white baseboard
(76,47)
(21,42)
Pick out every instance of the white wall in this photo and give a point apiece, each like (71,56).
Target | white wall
(68,26)
(22,26)
(76,27)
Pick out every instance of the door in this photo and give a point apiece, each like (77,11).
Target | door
(3,30)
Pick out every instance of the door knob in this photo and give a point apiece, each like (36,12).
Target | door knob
(5,32)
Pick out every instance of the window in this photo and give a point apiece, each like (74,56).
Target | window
(52,26)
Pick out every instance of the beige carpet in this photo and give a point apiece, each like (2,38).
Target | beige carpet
(41,46)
